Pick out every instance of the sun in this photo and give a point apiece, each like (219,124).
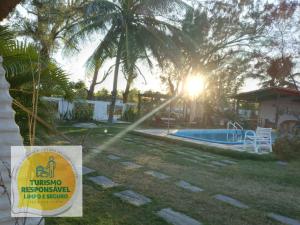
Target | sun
(194,85)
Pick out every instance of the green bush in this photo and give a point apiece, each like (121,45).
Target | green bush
(287,148)
(130,115)
(83,111)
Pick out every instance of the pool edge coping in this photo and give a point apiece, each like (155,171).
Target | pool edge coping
(221,149)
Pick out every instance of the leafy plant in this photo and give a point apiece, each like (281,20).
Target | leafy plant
(287,148)
(29,78)
(83,111)
(130,115)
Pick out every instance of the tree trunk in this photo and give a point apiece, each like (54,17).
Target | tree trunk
(115,84)
(94,82)
(7,6)
(127,89)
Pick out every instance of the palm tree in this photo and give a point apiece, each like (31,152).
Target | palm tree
(133,31)
(29,80)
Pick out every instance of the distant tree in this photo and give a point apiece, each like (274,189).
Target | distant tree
(278,60)
(133,95)
(225,36)
(79,90)
(103,94)
(171,76)
(46,23)
(279,73)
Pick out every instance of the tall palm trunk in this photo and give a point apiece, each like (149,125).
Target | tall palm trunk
(115,84)
(127,89)
(94,82)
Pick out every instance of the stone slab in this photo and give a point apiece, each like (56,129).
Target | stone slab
(191,160)
(86,170)
(182,153)
(85,125)
(209,156)
(282,163)
(113,157)
(231,201)
(217,163)
(131,165)
(199,158)
(229,162)
(104,182)
(283,219)
(185,185)
(133,197)
(156,174)
(176,218)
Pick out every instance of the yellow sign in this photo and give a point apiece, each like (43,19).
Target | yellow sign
(46,183)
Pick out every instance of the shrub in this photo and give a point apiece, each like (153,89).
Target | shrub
(83,111)
(287,148)
(130,115)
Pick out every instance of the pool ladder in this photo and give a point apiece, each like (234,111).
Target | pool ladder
(236,136)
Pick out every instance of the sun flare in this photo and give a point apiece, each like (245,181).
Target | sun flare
(194,85)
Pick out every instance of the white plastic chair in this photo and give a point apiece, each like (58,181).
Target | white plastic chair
(261,139)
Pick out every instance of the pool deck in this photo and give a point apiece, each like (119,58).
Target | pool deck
(163,133)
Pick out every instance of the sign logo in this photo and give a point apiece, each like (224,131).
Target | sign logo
(46,171)
(46,181)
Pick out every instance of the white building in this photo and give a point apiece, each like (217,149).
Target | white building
(278,107)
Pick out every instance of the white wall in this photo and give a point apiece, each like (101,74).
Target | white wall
(287,108)
(100,108)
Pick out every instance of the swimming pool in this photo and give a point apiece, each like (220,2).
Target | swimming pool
(220,136)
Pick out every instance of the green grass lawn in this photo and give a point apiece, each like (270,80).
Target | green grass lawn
(264,186)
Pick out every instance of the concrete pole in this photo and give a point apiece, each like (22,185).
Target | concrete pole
(9,136)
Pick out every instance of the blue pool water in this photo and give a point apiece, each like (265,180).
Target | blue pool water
(221,136)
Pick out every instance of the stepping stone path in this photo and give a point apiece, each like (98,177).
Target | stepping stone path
(113,157)
(199,158)
(231,201)
(85,125)
(185,185)
(133,197)
(282,163)
(229,162)
(104,182)
(86,170)
(182,153)
(158,175)
(176,218)
(283,219)
(131,165)
(220,164)
(208,156)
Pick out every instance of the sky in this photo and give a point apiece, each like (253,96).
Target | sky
(74,65)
